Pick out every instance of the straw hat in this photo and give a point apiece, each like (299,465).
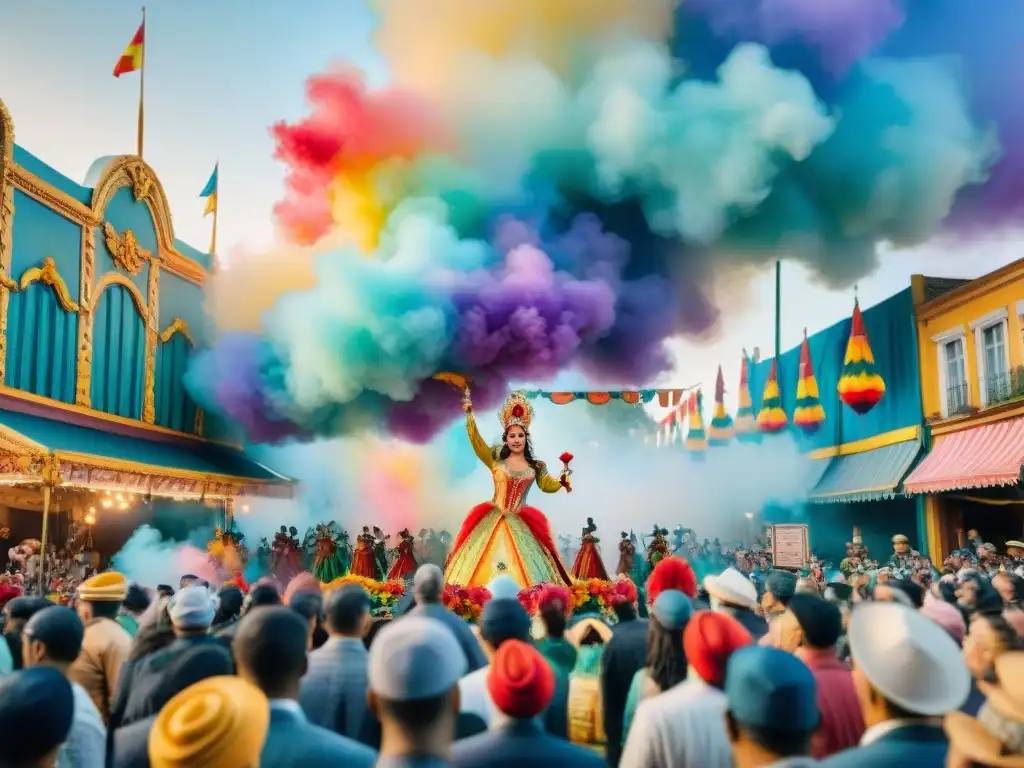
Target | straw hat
(908,658)
(970,738)
(731,586)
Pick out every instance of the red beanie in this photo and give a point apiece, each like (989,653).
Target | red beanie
(520,680)
(672,573)
(709,640)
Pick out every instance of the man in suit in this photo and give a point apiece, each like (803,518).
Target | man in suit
(333,692)
(270,651)
(521,684)
(908,673)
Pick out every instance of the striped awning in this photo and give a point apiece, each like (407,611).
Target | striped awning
(979,457)
(866,476)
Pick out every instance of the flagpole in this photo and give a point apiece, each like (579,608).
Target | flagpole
(142,84)
(216,213)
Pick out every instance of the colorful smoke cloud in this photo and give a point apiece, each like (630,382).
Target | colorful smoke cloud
(550,184)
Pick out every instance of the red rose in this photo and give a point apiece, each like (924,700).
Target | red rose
(565,458)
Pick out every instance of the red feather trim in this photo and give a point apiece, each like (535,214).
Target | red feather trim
(672,573)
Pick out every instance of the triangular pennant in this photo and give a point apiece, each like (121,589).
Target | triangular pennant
(861,386)
(720,431)
(771,418)
(696,439)
(746,423)
(809,415)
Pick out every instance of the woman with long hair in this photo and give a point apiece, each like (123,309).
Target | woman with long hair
(666,664)
(505,535)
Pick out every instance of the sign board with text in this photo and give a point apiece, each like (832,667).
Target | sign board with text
(791,546)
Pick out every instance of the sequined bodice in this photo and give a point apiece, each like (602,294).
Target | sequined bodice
(511,486)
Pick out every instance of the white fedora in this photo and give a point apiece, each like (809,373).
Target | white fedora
(908,658)
(731,586)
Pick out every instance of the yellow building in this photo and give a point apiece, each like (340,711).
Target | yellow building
(971,357)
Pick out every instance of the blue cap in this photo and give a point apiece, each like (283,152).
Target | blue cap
(672,609)
(769,688)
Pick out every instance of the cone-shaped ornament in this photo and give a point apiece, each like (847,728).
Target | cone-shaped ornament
(720,431)
(809,415)
(771,417)
(860,386)
(746,423)
(696,439)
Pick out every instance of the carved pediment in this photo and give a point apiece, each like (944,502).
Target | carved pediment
(141,180)
(125,250)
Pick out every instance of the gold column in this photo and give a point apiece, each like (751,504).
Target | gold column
(83,376)
(6,228)
(152,333)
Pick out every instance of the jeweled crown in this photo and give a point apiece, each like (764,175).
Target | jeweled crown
(517,411)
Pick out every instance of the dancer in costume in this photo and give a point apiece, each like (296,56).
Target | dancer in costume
(657,550)
(363,563)
(405,564)
(329,552)
(380,552)
(627,556)
(505,535)
(285,555)
(588,564)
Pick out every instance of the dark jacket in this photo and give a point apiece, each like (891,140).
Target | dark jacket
(294,742)
(624,654)
(521,743)
(917,745)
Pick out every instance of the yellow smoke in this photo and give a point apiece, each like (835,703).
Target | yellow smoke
(425,47)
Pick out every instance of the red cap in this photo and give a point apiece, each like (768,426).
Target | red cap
(672,573)
(709,640)
(520,680)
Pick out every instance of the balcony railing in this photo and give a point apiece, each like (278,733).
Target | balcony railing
(958,399)
(1004,386)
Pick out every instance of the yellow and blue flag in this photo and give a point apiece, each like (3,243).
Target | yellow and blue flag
(210,192)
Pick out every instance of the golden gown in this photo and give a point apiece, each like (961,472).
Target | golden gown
(505,535)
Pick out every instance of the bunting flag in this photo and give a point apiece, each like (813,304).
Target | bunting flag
(720,431)
(696,439)
(667,398)
(746,424)
(861,386)
(809,415)
(772,418)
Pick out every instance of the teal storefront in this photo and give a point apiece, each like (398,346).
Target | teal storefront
(860,460)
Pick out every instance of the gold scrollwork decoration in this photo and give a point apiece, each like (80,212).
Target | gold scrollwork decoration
(141,178)
(47,275)
(177,326)
(115,278)
(124,250)
(6,227)
(83,380)
(149,380)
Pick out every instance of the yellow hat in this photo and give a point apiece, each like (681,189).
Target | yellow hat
(220,722)
(899,538)
(107,587)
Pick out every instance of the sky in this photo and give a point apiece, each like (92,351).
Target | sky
(219,74)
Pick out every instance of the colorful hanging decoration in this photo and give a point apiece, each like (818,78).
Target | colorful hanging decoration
(696,439)
(809,415)
(720,431)
(666,397)
(772,418)
(746,424)
(861,386)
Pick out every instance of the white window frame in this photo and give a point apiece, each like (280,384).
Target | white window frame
(941,340)
(979,326)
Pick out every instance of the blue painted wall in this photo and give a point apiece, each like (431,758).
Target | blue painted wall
(47,365)
(42,336)
(118,354)
(891,333)
(174,408)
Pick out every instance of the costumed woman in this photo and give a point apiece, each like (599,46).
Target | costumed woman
(588,564)
(627,555)
(329,552)
(505,535)
(363,562)
(405,564)
(285,555)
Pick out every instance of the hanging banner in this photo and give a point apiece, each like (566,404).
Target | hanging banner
(667,398)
